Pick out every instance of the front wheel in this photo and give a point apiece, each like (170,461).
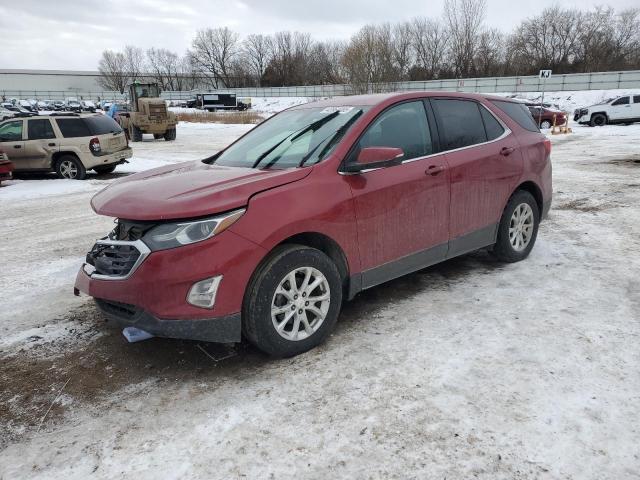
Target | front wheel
(292,302)
(518,228)
(135,134)
(170,134)
(598,120)
(71,168)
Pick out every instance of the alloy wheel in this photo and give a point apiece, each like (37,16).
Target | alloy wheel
(68,169)
(521,227)
(300,303)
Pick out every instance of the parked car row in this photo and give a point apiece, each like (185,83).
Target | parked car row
(70,104)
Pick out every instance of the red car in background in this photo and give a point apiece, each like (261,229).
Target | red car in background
(265,239)
(6,167)
(544,116)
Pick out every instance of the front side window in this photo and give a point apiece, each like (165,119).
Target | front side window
(40,129)
(621,101)
(73,127)
(460,123)
(636,99)
(11,131)
(292,138)
(401,126)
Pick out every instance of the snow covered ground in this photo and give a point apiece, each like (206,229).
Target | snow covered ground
(469,369)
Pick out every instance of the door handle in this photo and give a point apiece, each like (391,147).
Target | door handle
(434,170)
(51,144)
(17,146)
(506,151)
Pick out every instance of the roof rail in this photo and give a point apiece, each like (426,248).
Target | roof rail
(61,114)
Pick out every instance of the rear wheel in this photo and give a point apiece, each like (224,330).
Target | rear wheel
(102,170)
(598,120)
(292,302)
(70,167)
(170,134)
(135,134)
(545,124)
(518,228)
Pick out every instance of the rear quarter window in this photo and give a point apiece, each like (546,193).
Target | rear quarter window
(73,127)
(518,113)
(102,124)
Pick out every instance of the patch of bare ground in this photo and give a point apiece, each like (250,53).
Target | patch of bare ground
(246,117)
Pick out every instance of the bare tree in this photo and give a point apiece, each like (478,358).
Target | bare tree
(214,51)
(113,74)
(257,50)
(166,68)
(402,51)
(134,62)
(489,58)
(430,42)
(464,19)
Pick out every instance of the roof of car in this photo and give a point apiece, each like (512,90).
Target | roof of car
(378,98)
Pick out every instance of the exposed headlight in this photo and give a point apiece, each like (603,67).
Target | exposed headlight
(171,235)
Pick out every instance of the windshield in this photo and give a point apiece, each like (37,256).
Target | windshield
(291,139)
(147,91)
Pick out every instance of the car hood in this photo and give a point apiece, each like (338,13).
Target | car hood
(188,190)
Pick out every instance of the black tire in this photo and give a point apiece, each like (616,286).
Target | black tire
(158,136)
(170,134)
(103,170)
(545,124)
(503,249)
(257,324)
(135,134)
(69,166)
(598,120)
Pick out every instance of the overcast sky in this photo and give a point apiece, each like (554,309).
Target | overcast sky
(71,34)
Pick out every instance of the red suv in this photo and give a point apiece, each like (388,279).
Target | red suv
(266,238)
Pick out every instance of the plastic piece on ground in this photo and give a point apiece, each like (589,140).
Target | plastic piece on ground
(133,334)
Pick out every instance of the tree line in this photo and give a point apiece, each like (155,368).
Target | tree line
(457,45)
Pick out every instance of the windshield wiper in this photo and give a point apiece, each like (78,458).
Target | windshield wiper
(293,136)
(333,137)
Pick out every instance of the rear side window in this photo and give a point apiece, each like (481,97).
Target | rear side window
(73,127)
(460,123)
(40,129)
(102,124)
(402,126)
(621,101)
(518,113)
(636,99)
(491,125)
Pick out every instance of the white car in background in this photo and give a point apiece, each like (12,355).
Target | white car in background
(624,109)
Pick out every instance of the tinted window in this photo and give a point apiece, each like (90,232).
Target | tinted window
(11,131)
(73,127)
(621,101)
(518,113)
(402,126)
(101,124)
(636,99)
(40,129)
(460,123)
(491,125)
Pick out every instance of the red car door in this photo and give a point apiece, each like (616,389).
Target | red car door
(485,163)
(402,212)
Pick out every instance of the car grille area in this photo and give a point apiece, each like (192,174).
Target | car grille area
(117,309)
(113,260)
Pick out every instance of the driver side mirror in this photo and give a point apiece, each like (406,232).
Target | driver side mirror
(375,157)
